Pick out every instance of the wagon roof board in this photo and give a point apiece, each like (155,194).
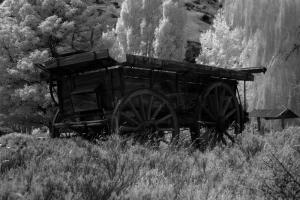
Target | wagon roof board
(81,62)
(146,62)
(283,113)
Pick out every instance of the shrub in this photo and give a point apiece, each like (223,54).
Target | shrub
(5,130)
(255,167)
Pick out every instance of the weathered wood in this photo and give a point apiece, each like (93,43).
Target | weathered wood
(282,123)
(183,67)
(80,124)
(258,124)
(90,84)
(219,110)
(253,70)
(77,63)
(75,59)
(89,80)
(85,102)
(147,112)
(268,114)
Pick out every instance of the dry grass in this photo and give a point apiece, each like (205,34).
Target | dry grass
(255,168)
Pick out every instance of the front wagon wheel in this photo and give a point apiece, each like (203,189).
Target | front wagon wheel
(146,116)
(60,128)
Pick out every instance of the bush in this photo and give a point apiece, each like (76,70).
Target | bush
(5,130)
(281,158)
(255,167)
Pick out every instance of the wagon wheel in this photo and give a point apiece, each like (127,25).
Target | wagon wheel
(63,132)
(146,116)
(219,116)
(97,133)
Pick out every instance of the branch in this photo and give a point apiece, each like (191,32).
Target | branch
(295,48)
(286,170)
(91,38)
(52,42)
(11,59)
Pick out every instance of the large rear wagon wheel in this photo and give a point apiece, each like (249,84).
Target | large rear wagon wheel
(146,116)
(219,116)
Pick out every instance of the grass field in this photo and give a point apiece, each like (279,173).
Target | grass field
(256,167)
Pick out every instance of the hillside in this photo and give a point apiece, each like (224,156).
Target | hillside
(200,15)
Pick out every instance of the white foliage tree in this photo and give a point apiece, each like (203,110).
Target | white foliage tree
(222,46)
(136,26)
(31,31)
(170,35)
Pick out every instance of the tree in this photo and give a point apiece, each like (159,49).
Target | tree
(31,31)
(152,28)
(170,35)
(136,26)
(273,25)
(222,46)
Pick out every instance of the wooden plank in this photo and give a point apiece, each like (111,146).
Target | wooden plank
(67,106)
(81,123)
(253,70)
(77,58)
(89,79)
(84,102)
(186,77)
(184,67)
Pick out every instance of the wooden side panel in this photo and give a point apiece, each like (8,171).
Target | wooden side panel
(65,96)
(84,102)
(78,58)
(90,80)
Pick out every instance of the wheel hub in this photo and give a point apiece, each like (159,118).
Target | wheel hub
(221,124)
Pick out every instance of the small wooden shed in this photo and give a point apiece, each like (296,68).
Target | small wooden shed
(271,114)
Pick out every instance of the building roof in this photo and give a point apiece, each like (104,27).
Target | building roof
(283,113)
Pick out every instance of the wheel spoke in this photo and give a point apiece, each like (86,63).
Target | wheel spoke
(209,113)
(129,119)
(212,105)
(206,123)
(217,106)
(230,113)
(229,136)
(147,115)
(226,106)
(214,139)
(142,107)
(223,140)
(159,121)
(157,110)
(149,108)
(222,97)
(137,114)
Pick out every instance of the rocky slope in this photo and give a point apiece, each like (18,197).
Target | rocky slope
(200,16)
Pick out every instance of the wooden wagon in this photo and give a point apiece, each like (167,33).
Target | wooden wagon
(146,98)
